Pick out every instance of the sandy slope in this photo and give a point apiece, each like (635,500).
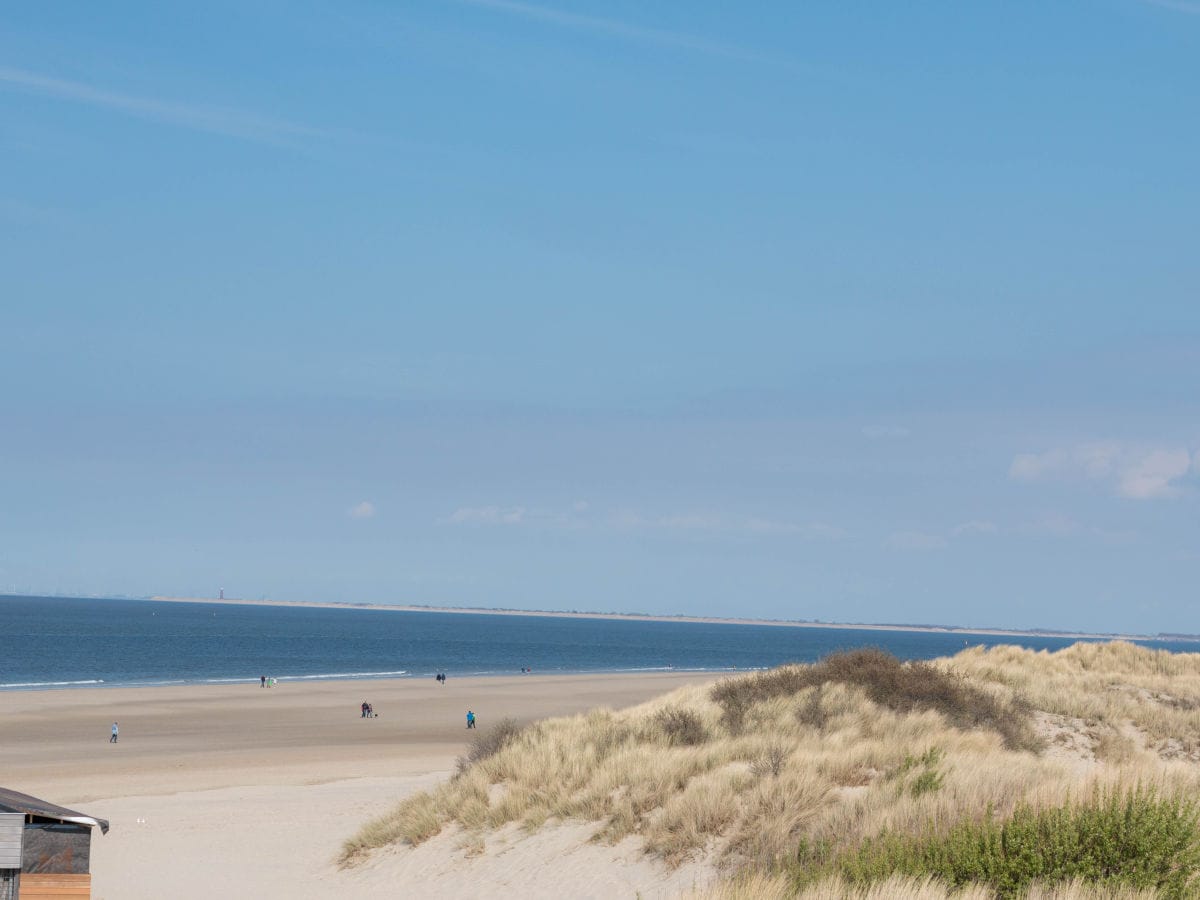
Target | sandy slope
(249,792)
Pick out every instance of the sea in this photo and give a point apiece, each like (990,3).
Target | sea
(63,642)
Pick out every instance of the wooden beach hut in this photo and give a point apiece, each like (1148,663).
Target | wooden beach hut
(45,849)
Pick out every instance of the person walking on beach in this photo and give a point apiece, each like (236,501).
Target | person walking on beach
(470,719)
(115,732)
(262,681)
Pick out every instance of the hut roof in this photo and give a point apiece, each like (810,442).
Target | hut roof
(14,801)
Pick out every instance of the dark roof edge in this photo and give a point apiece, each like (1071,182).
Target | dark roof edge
(15,801)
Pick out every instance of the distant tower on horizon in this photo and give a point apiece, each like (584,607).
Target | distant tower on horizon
(221,594)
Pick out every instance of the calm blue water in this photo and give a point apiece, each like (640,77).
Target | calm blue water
(60,642)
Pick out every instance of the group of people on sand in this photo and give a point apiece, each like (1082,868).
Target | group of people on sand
(440,677)
(368,711)
(265,682)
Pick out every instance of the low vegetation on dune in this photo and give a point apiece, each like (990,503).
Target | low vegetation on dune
(994,773)
(1129,839)
(1121,691)
(760,886)
(889,683)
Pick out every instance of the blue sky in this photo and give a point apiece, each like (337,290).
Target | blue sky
(841,311)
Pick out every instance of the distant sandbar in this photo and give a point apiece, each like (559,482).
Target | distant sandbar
(711,620)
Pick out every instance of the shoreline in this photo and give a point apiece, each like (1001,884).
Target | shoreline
(89,685)
(703,620)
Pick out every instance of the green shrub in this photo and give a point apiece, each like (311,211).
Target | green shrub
(1132,839)
(887,681)
(929,779)
(927,760)
(927,782)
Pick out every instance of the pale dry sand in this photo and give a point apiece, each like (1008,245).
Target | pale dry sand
(240,791)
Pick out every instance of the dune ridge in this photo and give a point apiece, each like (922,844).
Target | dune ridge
(775,786)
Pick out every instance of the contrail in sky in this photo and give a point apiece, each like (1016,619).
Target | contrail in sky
(1184,6)
(613,28)
(197,117)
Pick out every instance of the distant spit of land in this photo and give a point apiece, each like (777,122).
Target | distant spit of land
(639,617)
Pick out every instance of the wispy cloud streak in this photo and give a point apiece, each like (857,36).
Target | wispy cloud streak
(218,120)
(614,28)
(1138,473)
(1184,6)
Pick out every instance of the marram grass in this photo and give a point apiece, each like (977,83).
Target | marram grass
(877,763)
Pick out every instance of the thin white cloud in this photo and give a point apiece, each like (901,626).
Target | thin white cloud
(363,510)
(915,540)
(1048,525)
(487,515)
(975,527)
(812,531)
(1032,466)
(1094,460)
(1138,473)
(729,525)
(629,520)
(612,28)
(576,516)
(219,120)
(1153,474)
(580,515)
(1100,460)
(689,522)
(1052,525)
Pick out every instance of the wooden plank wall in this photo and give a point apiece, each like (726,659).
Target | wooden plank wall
(12,828)
(41,886)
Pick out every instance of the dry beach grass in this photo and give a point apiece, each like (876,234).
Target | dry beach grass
(758,772)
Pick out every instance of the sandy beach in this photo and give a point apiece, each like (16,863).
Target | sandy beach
(236,790)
